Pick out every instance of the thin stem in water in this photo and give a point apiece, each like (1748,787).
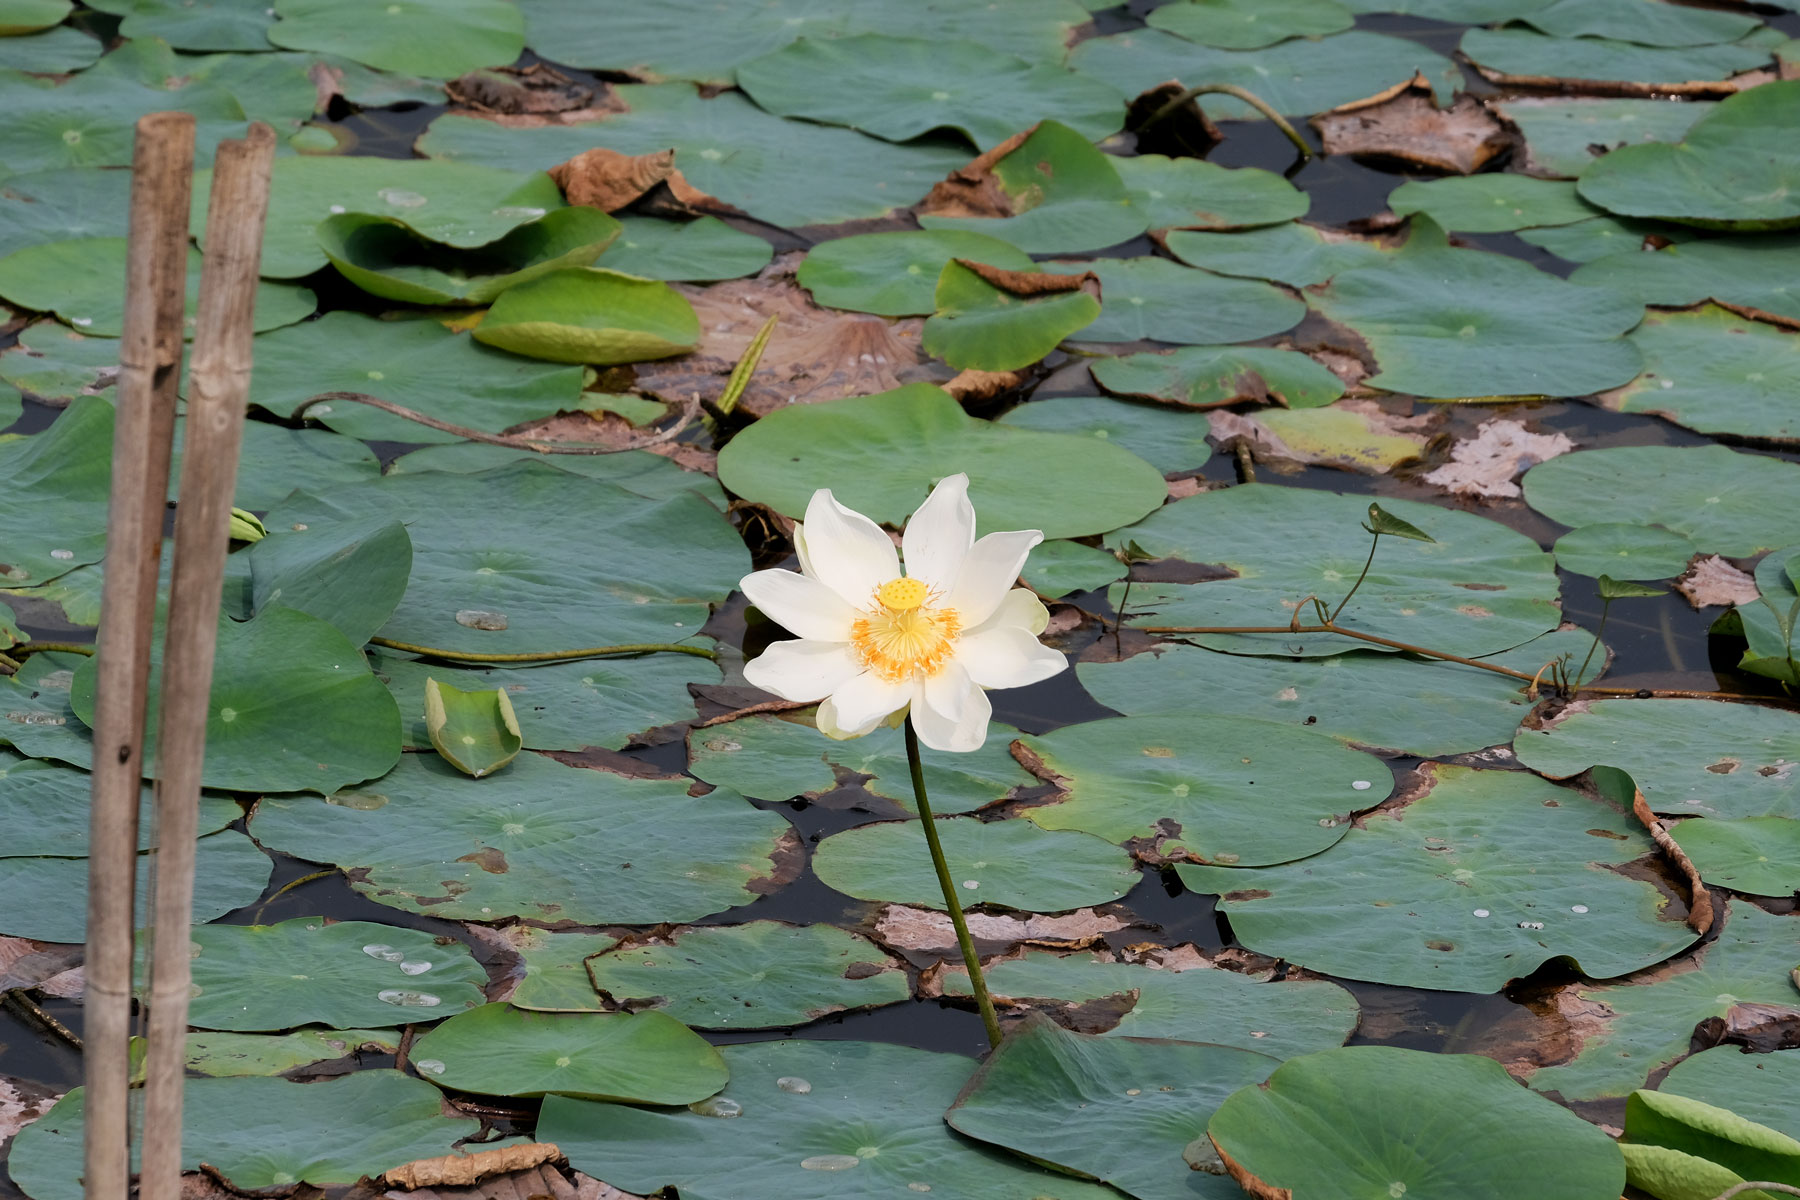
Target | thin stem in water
(1374,542)
(1230,89)
(546,655)
(1581,672)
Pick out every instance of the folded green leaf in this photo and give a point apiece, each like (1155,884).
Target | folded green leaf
(476,732)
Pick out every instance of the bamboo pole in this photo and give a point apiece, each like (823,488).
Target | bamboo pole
(149,369)
(218,387)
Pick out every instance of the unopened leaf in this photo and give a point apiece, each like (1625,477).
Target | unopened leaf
(476,732)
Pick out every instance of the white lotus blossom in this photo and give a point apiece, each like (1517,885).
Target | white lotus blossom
(875,641)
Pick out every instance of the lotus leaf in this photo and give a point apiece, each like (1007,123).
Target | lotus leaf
(195,24)
(223,1054)
(1676,1147)
(1600,237)
(349,575)
(1294,254)
(896,274)
(1474,883)
(1157,300)
(1757,855)
(1757,1087)
(56,364)
(476,731)
(1753,272)
(61,205)
(1563,136)
(1623,552)
(702,250)
(1059,567)
(274,461)
(28,16)
(1716,372)
(649,475)
(57,50)
(1492,203)
(881,454)
(1472,12)
(984,326)
(1172,442)
(1250,24)
(1646,22)
(1209,376)
(541,839)
(47,809)
(53,494)
(759,975)
(11,406)
(39,720)
(1190,193)
(442,38)
(590,315)
(1525,53)
(1380,1120)
(810,1111)
(555,969)
(1771,647)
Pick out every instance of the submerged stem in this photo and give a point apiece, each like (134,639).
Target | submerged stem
(972,960)
(546,655)
(1230,89)
(1581,672)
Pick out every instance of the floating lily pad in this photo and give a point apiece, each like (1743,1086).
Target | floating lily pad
(1250,24)
(349,575)
(1756,272)
(1117,1109)
(223,1054)
(57,206)
(760,975)
(1726,502)
(342,974)
(1455,324)
(441,38)
(1470,12)
(1648,1021)
(539,839)
(499,1050)
(274,461)
(1525,53)
(34,702)
(726,147)
(492,572)
(83,282)
(1205,789)
(1294,254)
(1014,864)
(1155,299)
(1716,372)
(1563,136)
(1424,1125)
(1690,757)
(56,364)
(1169,441)
(1598,237)
(1771,648)
(896,274)
(1623,552)
(881,454)
(1059,567)
(1209,376)
(1296,78)
(53,494)
(56,50)
(702,250)
(1449,892)
(1646,22)
(1064,195)
(11,406)
(262,1133)
(775,759)
(1492,203)
(195,24)
(475,732)
(1428,708)
(1758,855)
(1758,1087)
(982,325)
(1728,172)
(1284,544)
(649,475)
(898,88)
(555,969)
(28,16)
(47,806)
(590,315)
(1191,193)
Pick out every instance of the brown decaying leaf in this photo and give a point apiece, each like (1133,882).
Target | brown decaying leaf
(1034,283)
(21,1103)
(1691,88)
(610,429)
(46,967)
(1710,580)
(1404,124)
(972,384)
(1487,464)
(466,1170)
(607,180)
(538,88)
(1366,457)
(900,927)
(971,190)
(1700,909)
(1186,132)
(1253,1187)
(544,1182)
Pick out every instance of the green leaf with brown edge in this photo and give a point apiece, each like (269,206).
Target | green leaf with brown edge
(591,315)
(1209,376)
(1383,521)
(994,320)
(476,732)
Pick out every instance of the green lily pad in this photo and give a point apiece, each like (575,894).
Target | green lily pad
(539,839)
(57,50)
(1012,864)
(1646,22)
(590,315)
(1209,376)
(1492,203)
(195,24)
(772,758)
(1563,136)
(1448,892)
(1771,648)
(1758,1087)
(53,494)
(260,1132)
(726,147)
(649,475)
(229,873)
(1380,1120)
(56,364)
(1204,789)
(28,16)
(1296,78)
(1623,551)
(441,38)
(384,257)
(1599,237)
(83,282)
(1155,299)
(1690,757)
(1468,12)
(1647,1021)
(896,274)
(349,575)
(1065,197)
(1716,372)
(561,706)
(760,975)
(898,88)
(1727,173)
(492,571)
(805,1113)
(11,406)
(881,454)
(1677,1147)
(1250,24)
(57,206)
(1294,254)
(1758,855)
(1528,54)
(499,1050)
(48,803)
(343,974)
(224,1054)
(1724,501)
(1284,544)
(39,722)
(1115,1109)
(475,732)
(274,461)
(1428,708)
(1454,324)
(1169,441)
(701,251)
(1755,272)
(1190,193)
(986,327)
(555,975)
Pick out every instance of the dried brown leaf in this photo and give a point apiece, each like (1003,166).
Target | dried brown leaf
(1691,88)
(538,88)
(972,384)
(1710,580)
(607,180)
(972,190)
(1404,124)
(1501,450)
(466,1170)
(1700,909)
(1034,283)
(900,927)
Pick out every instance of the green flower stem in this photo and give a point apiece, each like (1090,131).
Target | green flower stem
(547,655)
(972,960)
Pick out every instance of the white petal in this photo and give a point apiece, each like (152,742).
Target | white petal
(800,605)
(1019,609)
(864,699)
(1006,656)
(950,712)
(799,539)
(940,534)
(846,551)
(802,669)
(991,568)
(828,723)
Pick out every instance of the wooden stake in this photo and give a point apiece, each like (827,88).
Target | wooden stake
(218,387)
(149,369)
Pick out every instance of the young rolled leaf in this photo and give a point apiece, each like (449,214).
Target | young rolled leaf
(1621,589)
(476,732)
(1382,521)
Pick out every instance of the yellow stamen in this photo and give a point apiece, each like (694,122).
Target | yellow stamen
(903,637)
(901,594)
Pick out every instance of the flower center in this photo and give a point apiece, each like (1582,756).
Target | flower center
(904,636)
